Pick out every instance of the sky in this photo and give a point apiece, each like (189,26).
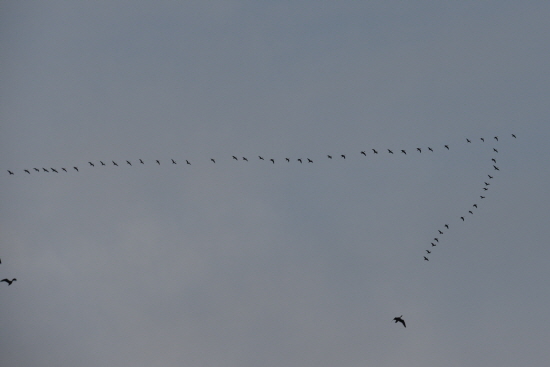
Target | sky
(254,263)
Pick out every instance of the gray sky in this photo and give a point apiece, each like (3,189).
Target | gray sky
(286,264)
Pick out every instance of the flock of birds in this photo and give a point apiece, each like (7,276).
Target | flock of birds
(433,244)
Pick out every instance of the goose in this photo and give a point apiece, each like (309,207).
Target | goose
(403,151)
(129,163)
(186,161)
(462,218)
(446,146)
(173,161)
(272,160)
(261,158)
(36,169)
(10,172)
(419,150)
(235,158)
(8,281)
(430,149)
(425,258)
(363,152)
(212,159)
(45,170)
(114,163)
(53,169)
(375,152)
(496,168)
(343,156)
(63,169)
(76,169)
(514,136)
(329,156)
(428,251)
(91,164)
(309,160)
(300,160)
(244,159)
(27,171)
(389,151)
(141,161)
(483,140)
(104,163)
(399,319)
(158,162)
(468,140)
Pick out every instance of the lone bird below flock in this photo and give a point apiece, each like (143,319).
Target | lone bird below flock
(8,281)
(425,258)
(400,318)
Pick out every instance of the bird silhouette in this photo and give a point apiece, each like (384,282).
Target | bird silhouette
(485,189)
(486,184)
(27,171)
(483,197)
(129,163)
(63,169)
(495,150)
(494,160)
(343,156)
(104,163)
(261,158)
(496,168)
(173,161)
(440,231)
(430,149)
(475,206)
(235,158)
(363,152)
(428,251)
(309,160)
(420,150)
(10,172)
(8,281)
(471,212)
(244,159)
(514,136)
(36,169)
(483,140)
(76,169)
(186,161)
(496,138)
(212,159)
(433,244)
(447,226)
(272,160)
(462,218)
(158,162)
(114,163)
(329,156)
(403,151)
(91,164)
(436,239)
(45,170)
(299,160)
(287,159)
(425,258)
(490,176)
(53,169)
(468,140)
(375,152)
(141,161)
(389,151)
(446,146)
(399,319)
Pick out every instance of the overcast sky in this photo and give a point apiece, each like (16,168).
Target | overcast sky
(247,264)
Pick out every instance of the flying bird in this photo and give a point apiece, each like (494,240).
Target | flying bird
(496,138)
(114,163)
(8,281)
(425,258)
(494,160)
(363,152)
(447,226)
(399,319)
(212,159)
(462,218)
(483,197)
(186,161)
(173,161)
(299,160)
(446,146)
(27,171)
(389,151)
(471,212)
(403,151)
(36,169)
(420,150)
(490,176)
(329,156)
(45,170)
(475,206)
(495,150)
(272,160)
(468,140)
(496,168)
(10,172)
(104,163)
(483,140)
(309,160)
(433,244)
(430,149)
(514,136)
(436,240)
(287,159)
(261,158)
(244,159)
(129,163)
(158,162)
(485,189)
(63,169)
(375,152)
(141,161)
(235,158)
(486,184)
(91,164)
(428,251)
(343,156)
(440,231)
(76,169)
(53,169)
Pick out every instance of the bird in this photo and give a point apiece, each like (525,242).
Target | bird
(45,170)
(399,319)
(343,156)
(514,136)
(494,160)
(300,160)
(375,152)
(186,161)
(447,226)
(486,184)
(490,176)
(8,281)
(483,197)
(462,218)
(496,138)
(212,159)
(114,163)
(468,140)
(363,152)
(471,212)
(428,251)
(141,161)
(129,163)
(329,156)
(235,158)
(403,151)
(287,159)
(173,161)
(436,239)
(433,244)
(446,146)
(495,150)
(475,206)
(389,151)
(261,158)
(91,164)
(309,160)
(76,169)
(485,189)
(272,160)
(496,168)
(53,169)
(10,172)
(36,169)
(483,140)
(244,159)
(419,150)
(104,163)
(158,162)
(425,258)
(27,171)
(440,231)
(430,149)
(63,169)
